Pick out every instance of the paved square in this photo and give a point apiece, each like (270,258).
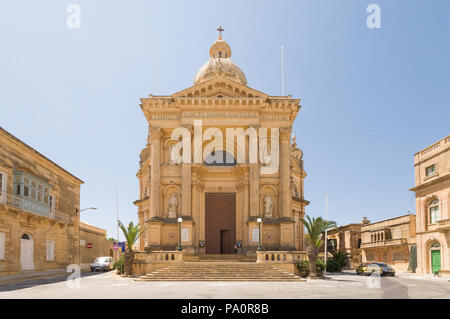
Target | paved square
(346,285)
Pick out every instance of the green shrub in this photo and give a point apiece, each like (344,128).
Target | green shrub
(303,267)
(341,258)
(119,265)
(337,262)
(333,265)
(320,267)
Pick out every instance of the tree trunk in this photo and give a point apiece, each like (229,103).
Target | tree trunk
(312,257)
(129,259)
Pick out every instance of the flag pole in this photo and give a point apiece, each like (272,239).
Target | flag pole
(326,233)
(282,70)
(118,233)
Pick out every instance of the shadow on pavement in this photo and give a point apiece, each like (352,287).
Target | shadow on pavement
(345,276)
(32,282)
(393,289)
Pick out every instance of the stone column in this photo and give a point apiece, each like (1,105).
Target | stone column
(186,185)
(155,139)
(285,152)
(254,189)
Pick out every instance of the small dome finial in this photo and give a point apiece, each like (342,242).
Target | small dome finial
(220,49)
(220,63)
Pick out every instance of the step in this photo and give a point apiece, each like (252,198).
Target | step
(222,279)
(221,258)
(220,271)
(216,274)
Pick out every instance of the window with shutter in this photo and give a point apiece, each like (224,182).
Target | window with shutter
(2,245)
(50,250)
(2,187)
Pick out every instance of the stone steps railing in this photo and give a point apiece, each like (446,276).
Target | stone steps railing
(280,256)
(158,256)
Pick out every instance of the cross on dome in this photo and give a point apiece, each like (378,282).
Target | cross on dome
(220,63)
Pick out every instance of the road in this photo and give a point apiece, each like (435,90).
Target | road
(345,285)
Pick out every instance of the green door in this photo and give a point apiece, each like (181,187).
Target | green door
(435,261)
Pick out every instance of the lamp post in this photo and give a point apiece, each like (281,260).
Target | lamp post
(180,220)
(259,220)
(79,232)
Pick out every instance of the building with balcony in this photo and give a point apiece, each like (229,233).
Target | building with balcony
(39,204)
(392,241)
(432,189)
(347,239)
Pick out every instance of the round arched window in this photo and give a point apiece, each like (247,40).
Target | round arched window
(435,245)
(434,211)
(220,158)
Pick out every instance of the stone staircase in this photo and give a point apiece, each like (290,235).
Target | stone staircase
(220,258)
(219,271)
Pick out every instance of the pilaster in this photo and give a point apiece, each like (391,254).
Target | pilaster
(155,138)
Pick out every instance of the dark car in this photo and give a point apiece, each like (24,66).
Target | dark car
(102,264)
(361,268)
(379,268)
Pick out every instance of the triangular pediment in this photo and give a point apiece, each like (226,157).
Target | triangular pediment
(220,86)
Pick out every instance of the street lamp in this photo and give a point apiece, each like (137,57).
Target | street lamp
(180,220)
(82,210)
(79,233)
(259,220)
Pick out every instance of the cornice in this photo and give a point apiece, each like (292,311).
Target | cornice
(430,183)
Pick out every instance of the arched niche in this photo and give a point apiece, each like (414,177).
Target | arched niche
(170,191)
(168,145)
(268,191)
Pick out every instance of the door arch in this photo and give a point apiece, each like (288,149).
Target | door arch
(435,257)
(27,252)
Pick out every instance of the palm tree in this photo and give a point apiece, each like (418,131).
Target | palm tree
(315,228)
(131,233)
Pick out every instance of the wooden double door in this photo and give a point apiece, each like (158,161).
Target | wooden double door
(220,223)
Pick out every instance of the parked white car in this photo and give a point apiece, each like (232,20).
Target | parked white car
(102,264)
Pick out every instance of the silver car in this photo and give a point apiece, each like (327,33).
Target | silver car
(380,268)
(102,264)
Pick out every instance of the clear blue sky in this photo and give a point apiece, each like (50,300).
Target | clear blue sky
(371,97)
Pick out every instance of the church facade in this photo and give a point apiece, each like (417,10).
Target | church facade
(220,155)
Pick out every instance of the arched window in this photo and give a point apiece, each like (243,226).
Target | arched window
(434,211)
(435,245)
(220,158)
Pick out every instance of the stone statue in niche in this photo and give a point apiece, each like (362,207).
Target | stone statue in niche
(173,203)
(171,161)
(268,206)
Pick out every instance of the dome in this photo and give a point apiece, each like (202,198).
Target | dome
(220,63)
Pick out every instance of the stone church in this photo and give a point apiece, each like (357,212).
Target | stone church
(226,206)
